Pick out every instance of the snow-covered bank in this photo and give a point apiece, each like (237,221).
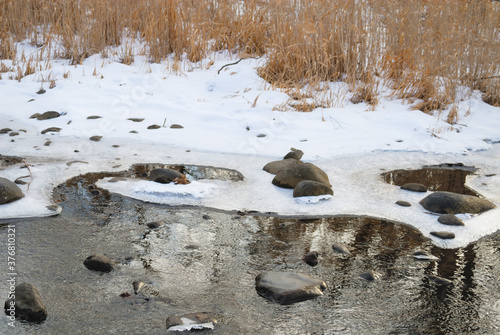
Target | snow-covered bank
(232,120)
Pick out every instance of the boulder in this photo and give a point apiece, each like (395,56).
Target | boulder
(277,166)
(9,191)
(450,220)
(191,321)
(26,304)
(415,187)
(454,203)
(288,287)
(164,176)
(309,188)
(99,263)
(294,154)
(290,177)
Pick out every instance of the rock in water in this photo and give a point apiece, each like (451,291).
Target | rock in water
(27,304)
(415,187)
(164,176)
(288,287)
(439,280)
(99,263)
(311,258)
(454,203)
(341,249)
(289,178)
(192,321)
(9,191)
(309,188)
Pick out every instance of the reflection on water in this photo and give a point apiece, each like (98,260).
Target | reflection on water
(207,260)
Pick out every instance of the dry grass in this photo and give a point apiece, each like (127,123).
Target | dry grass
(410,46)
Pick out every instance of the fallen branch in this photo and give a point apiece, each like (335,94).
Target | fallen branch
(31,174)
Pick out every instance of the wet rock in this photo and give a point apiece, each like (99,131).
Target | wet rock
(27,304)
(439,280)
(47,115)
(154,224)
(277,166)
(420,255)
(403,203)
(454,203)
(450,220)
(99,263)
(95,138)
(176,126)
(294,154)
(415,187)
(164,176)
(287,287)
(9,191)
(191,321)
(370,275)
(308,188)
(154,126)
(5,130)
(311,258)
(94,117)
(135,119)
(290,177)
(445,235)
(341,249)
(51,130)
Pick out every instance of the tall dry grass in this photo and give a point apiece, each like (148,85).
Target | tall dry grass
(422,49)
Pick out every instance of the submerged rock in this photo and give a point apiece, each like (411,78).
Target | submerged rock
(341,249)
(308,188)
(287,287)
(454,203)
(415,187)
(26,304)
(439,280)
(276,167)
(370,275)
(191,321)
(290,177)
(164,176)
(420,255)
(311,258)
(9,191)
(99,263)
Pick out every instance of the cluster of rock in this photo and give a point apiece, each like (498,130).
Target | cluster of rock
(306,179)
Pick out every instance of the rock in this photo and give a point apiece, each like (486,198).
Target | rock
(341,249)
(420,255)
(48,115)
(308,188)
(294,154)
(51,130)
(48,143)
(9,191)
(20,181)
(164,176)
(290,177)
(277,166)
(34,116)
(154,126)
(99,263)
(439,280)
(415,187)
(261,135)
(95,138)
(5,130)
(14,133)
(311,258)
(403,203)
(454,203)
(191,321)
(94,117)
(445,235)
(450,220)
(287,287)
(370,275)
(206,217)
(154,224)
(176,126)
(135,119)
(41,91)
(26,304)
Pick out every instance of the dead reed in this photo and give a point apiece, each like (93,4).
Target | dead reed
(422,49)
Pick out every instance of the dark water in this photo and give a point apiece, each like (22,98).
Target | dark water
(197,263)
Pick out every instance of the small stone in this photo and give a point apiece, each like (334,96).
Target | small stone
(133,132)
(403,203)
(439,280)
(115,146)
(5,130)
(415,187)
(164,176)
(95,138)
(311,258)
(420,255)
(99,263)
(450,220)
(48,143)
(94,117)
(176,126)
(341,249)
(48,115)
(51,130)
(154,224)
(370,275)
(134,119)
(445,235)
(41,91)
(206,217)
(154,126)
(294,154)
(34,116)
(14,133)
(19,181)
(26,304)
(261,135)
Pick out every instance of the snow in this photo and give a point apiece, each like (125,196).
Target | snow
(222,116)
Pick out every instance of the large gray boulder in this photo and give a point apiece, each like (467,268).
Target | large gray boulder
(164,176)
(454,203)
(9,191)
(289,178)
(309,188)
(288,287)
(26,304)
(276,167)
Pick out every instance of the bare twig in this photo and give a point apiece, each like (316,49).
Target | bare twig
(31,174)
